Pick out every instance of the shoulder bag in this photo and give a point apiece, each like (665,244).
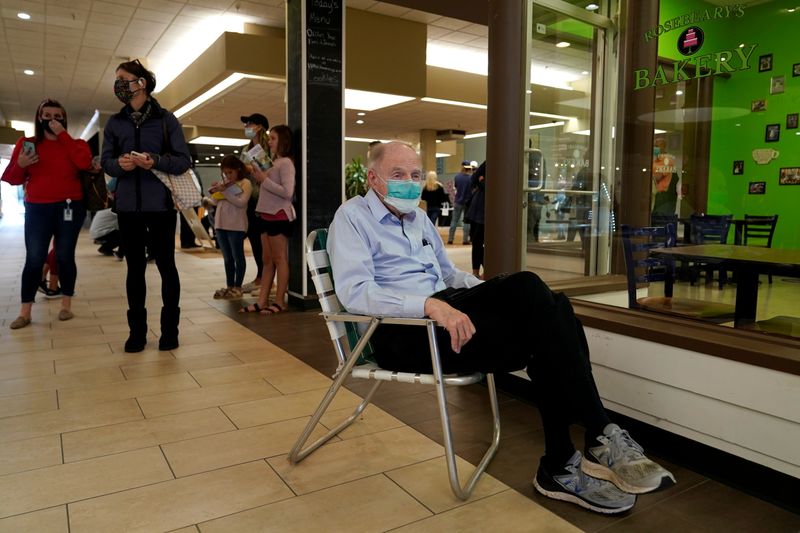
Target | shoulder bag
(185,188)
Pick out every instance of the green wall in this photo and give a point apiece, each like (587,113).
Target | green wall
(736,131)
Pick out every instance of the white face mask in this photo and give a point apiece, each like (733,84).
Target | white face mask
(250,133)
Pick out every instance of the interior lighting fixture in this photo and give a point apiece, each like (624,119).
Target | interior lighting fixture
(28,72)
(550,115)
(359,121)
(22,125)
(219,88)
(365,140)
(679,92)
(442,155)
(236,151)
(475,135)
(370,101)
(562,44)
(361,114)
(457,57)
(222,141)
(452,102)
(585,73)
(741,45)
(592,7)
(791,10)
(548,125)
(23,16)
(658,131)
(582,132)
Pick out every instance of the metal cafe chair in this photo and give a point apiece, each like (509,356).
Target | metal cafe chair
(352,350)
(760,229)
(641,267)
(710,229)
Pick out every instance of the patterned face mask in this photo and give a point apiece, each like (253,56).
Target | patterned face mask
(123,92)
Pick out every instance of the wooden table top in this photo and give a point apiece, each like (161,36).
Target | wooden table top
(734,253)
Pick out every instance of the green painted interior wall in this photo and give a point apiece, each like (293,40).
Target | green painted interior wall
(736,131)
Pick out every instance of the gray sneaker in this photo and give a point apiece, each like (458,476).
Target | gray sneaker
(621,460)
(572,485)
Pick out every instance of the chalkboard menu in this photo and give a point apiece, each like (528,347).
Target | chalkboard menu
(324,43)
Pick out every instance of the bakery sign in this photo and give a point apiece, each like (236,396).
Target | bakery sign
(689,43)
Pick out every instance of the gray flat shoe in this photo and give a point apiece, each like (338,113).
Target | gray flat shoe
(65,314)
(20,322)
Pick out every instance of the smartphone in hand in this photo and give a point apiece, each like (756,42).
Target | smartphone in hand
(137,154)
(29,147)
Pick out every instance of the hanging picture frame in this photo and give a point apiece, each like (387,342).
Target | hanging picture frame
(777,84)
(772,133)
(765,63)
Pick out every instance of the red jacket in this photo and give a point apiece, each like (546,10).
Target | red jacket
(55,177)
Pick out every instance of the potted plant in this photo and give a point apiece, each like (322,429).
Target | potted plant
(355,178)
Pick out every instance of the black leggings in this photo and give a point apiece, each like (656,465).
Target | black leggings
(476,237)
(519,323)
(157,231)
(254,236)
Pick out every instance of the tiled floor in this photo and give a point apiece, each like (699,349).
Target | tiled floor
(195,439)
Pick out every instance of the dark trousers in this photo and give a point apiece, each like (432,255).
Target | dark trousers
(231,244)
(254,236)
(519,323)
(156,230)
(476,237)
(44,222)
(187,235)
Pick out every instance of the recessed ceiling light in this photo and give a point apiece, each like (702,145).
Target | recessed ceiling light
(359,121)
(679,92)
(196,160)
(370,101)
(236,151)
(221,141)
(24,16)
(28,72)
(360,113)
(562,44)
(592,7)
(216,148)
(585,72)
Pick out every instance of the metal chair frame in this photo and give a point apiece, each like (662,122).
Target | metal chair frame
(337,320)
(759,227)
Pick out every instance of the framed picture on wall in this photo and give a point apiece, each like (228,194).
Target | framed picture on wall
(765,63)
(796,70)
(758,105)
(791,121)
(777,84)
(738,168)
(757,187)
(772,133)
(789,176)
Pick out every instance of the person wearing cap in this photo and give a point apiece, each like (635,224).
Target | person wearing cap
(256,128)
(463,193)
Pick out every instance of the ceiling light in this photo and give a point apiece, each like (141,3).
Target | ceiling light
(679,92)
(585,73)
(582,132)
(222,141)
(592,7)
(547,125)
(207,158)
(365,140)
(196,160)
(216,148)
(658,131)
(475,135)
(452,102)
(225,84)
(28,72)
(562,44)
(442,155)
(790,10)
(360,113)
(370,101)
(359,121)
(457,57)
(741,45)
(549,115)
(24,16)
(236,151)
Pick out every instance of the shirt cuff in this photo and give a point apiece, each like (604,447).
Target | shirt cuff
(414,306)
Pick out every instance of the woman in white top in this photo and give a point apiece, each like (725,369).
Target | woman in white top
(277,215)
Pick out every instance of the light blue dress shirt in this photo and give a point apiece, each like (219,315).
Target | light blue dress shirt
(388,266)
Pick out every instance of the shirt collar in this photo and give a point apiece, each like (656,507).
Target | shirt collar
(380,211)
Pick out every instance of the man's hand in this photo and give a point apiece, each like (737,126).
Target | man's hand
(143,160)
(457,324)
(126,162)
(25,159)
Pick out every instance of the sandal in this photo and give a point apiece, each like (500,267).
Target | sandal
(252,308)
(273,309)
(221,293)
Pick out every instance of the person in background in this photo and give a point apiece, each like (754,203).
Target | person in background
(49,285)
(231,196)
(666,180)
(463,194)
(256,128)
(277,213)
(141,137)
(94,185)
(48,164)
(387,259)
(475,216)
(434,195)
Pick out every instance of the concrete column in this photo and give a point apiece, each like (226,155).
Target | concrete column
(427,149)
(506,120)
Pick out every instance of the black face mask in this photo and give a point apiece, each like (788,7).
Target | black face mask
(46,124)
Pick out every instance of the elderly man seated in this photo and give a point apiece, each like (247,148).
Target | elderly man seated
(388,259)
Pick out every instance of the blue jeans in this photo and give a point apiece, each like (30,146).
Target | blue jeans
(231,244)
(458,212)
(42,223)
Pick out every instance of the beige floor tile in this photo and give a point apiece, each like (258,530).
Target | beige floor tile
(107,360)
(185,340)
(192,400)
(429,483)
(52,520)
(265,353)
(181,502)
(60,342)
(507,511)
(68,419)
(339,462)
(299,380)
(107,440)
(56,485)
(190,529)
(172,365)
(366,505)
(14,368)
(202,454)
(56,355)
(35,402)
(126,389)
(21,455)
(247,372)
(23,344)
(219,347)
(92,377)
(371,420)
(259,412)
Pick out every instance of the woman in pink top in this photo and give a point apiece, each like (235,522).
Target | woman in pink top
(277,214)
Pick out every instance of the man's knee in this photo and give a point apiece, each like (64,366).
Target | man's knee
(528,286)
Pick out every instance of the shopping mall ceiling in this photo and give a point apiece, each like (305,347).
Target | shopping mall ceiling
(69,50)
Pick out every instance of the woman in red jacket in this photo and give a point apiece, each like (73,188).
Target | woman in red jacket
(48,165)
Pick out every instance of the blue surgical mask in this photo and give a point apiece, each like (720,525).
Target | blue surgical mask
(656,151)
(250,133)
(403,195)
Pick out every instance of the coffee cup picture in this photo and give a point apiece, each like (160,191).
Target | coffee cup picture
(762,156)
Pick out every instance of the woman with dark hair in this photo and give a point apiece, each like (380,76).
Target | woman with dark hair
(475,217)
(49,165)
(256,128)
(277,213)
(141,137)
